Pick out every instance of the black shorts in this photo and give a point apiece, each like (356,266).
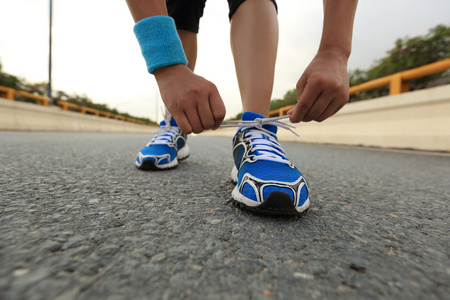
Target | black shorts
(187,13)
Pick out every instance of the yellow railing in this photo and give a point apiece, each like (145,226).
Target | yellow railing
(9,93)
(88,110)
(398,82)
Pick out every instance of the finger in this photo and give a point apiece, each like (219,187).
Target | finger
(194,119)
(301,84)
(183,123)
(300,87)
(206,115)
(328,111)
(338,99)
(217,108)
(339,108)
(319,106)
(306,99)
(332,108)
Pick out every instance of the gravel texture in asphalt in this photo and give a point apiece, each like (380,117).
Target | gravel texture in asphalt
(79,221)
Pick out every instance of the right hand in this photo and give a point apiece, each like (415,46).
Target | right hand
(193,101)
(322,89)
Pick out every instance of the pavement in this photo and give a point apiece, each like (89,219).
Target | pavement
(79,221)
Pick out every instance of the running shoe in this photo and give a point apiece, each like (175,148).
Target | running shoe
(167,147)
(266,180)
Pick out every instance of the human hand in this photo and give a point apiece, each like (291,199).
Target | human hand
(193,101)
(323,89)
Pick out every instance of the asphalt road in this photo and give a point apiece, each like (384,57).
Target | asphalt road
(79,221)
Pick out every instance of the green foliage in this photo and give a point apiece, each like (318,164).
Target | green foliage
(17,83)
(408,53)
(414,52)
(288,99)
(9,80)
(237,117)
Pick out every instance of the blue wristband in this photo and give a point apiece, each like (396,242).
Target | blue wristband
(159,42)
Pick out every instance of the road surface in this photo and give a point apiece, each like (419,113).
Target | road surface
(79,221)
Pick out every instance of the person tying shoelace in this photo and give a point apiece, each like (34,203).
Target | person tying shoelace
(266,180)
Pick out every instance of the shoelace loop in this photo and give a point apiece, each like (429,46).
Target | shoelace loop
(164,134)
(259,123)
(263,141)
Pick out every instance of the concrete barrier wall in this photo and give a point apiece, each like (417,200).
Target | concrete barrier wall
(415,120)
(21,116)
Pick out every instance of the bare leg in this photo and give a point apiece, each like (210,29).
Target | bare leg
(189,41)
(254,42)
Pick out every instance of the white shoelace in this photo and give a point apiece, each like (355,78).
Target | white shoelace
(263,140)
(164,134)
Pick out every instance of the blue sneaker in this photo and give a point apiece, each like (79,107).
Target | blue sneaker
(167,147)
(266,180)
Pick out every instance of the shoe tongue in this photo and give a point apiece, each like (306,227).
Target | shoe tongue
(250,116)
(172,123)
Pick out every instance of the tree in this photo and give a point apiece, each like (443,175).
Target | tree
(9,80)
(288,99)
(408,53)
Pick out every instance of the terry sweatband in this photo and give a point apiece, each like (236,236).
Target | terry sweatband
(159,42)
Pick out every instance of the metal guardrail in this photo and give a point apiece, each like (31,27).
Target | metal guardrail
(88,110)
(398,82)
(9,93)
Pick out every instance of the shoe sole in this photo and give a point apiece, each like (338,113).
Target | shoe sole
(149,165)
(277,204)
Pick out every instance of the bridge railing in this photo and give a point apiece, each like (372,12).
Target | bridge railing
(9,94)
(398,82)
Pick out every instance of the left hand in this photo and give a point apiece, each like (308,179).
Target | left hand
(323,89)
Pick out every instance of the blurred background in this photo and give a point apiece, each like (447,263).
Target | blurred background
(96,58)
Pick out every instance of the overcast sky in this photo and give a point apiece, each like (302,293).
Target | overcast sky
(95,52)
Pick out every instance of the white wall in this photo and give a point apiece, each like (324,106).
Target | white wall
(21,116)
(415,120)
